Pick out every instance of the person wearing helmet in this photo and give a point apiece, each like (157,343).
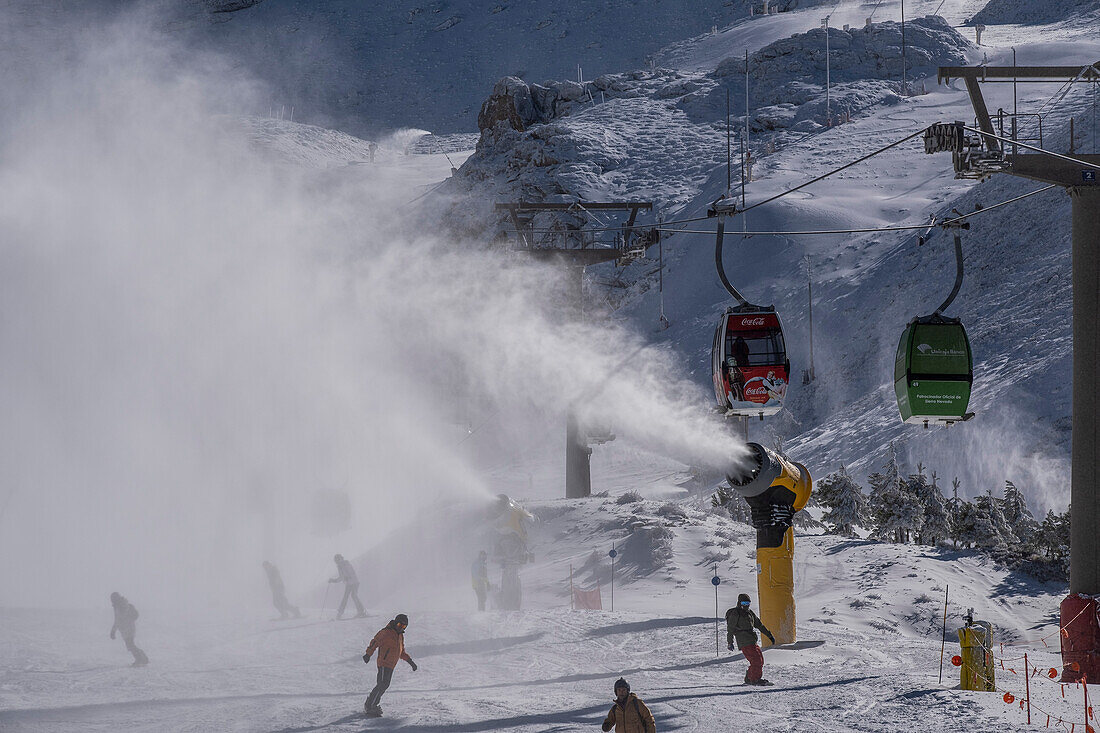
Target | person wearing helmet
(740,625)
(346,573)
(629,714)
(125,622)
(479,579)
(389,642)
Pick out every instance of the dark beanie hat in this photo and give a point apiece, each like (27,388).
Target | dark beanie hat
(622,683)
(743,597)
(401,619)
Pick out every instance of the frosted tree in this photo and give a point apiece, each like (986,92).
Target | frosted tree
(895,512)
(964,524)
(954,518)
(937,522)
(845,501)
(1054,535)
(1014,504)
(734,504)
(991,530)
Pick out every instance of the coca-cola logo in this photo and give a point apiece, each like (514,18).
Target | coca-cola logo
(756,390)
(752,321)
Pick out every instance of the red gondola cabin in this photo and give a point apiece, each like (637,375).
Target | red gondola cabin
(749,362)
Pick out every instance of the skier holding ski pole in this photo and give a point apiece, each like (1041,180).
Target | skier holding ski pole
(740,625)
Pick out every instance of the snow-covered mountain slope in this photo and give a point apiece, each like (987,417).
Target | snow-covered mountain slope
(660,134)
(866,659)
(400,63)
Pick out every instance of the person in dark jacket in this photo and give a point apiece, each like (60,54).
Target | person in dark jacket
(740,625)
(126,617)
(278,592)
(346,573)
(629,714)
(479,579)
(390,645)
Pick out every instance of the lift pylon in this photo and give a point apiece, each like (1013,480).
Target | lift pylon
(978,153)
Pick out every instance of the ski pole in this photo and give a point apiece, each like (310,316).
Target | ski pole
(943,635)
(716,581)
(324,603)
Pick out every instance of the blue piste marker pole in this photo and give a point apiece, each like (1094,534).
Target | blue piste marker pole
(716,581)
(612,555)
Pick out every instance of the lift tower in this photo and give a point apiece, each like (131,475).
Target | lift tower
(574,236)
(978,153)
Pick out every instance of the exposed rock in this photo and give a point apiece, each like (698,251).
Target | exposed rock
(229,6)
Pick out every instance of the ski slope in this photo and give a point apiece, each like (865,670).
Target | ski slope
(866,658)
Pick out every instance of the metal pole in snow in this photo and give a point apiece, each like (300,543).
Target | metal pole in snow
(828,117)
(729,183)
(716,581)
(746,98)
(612,554)
(324,602)
(1027,687)
(943,636)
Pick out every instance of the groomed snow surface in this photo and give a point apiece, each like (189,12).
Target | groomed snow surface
(866,659)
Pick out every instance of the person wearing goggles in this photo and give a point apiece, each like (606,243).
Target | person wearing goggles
(389,642)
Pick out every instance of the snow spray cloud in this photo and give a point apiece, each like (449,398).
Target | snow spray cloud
(209,359)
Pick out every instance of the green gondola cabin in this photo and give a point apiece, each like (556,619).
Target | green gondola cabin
(934,371)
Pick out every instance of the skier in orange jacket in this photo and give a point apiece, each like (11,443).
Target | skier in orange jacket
(390,645)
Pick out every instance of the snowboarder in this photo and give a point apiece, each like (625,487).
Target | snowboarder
(346,573)
(278,593)
(372,148)
(740,622)
(628,714)
(390,644)
(125,621)
(479,579)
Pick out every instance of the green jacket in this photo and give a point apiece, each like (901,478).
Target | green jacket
(740,625)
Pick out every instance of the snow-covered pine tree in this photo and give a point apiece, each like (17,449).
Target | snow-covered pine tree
(954,505)
(845,501)
(894,511)
(937,520)
(1054,535)
(1020,521)
(991,531)
(737,507)
(964,524)
(1014,504)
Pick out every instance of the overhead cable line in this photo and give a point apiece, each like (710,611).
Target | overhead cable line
(781,194)
(868,230)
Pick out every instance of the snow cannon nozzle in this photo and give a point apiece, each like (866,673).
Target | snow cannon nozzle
(775,488)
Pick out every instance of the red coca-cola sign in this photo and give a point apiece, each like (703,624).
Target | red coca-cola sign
(752,322)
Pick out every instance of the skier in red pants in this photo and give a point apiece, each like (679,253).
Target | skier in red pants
(740,625)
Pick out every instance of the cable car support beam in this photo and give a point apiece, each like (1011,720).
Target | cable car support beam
(1080,176)
(576,247)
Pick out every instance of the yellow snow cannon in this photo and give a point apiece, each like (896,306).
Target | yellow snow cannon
(775,489)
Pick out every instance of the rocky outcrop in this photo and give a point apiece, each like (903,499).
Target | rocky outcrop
(871,52)
(519,105)
(229,6)
(1031,12)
